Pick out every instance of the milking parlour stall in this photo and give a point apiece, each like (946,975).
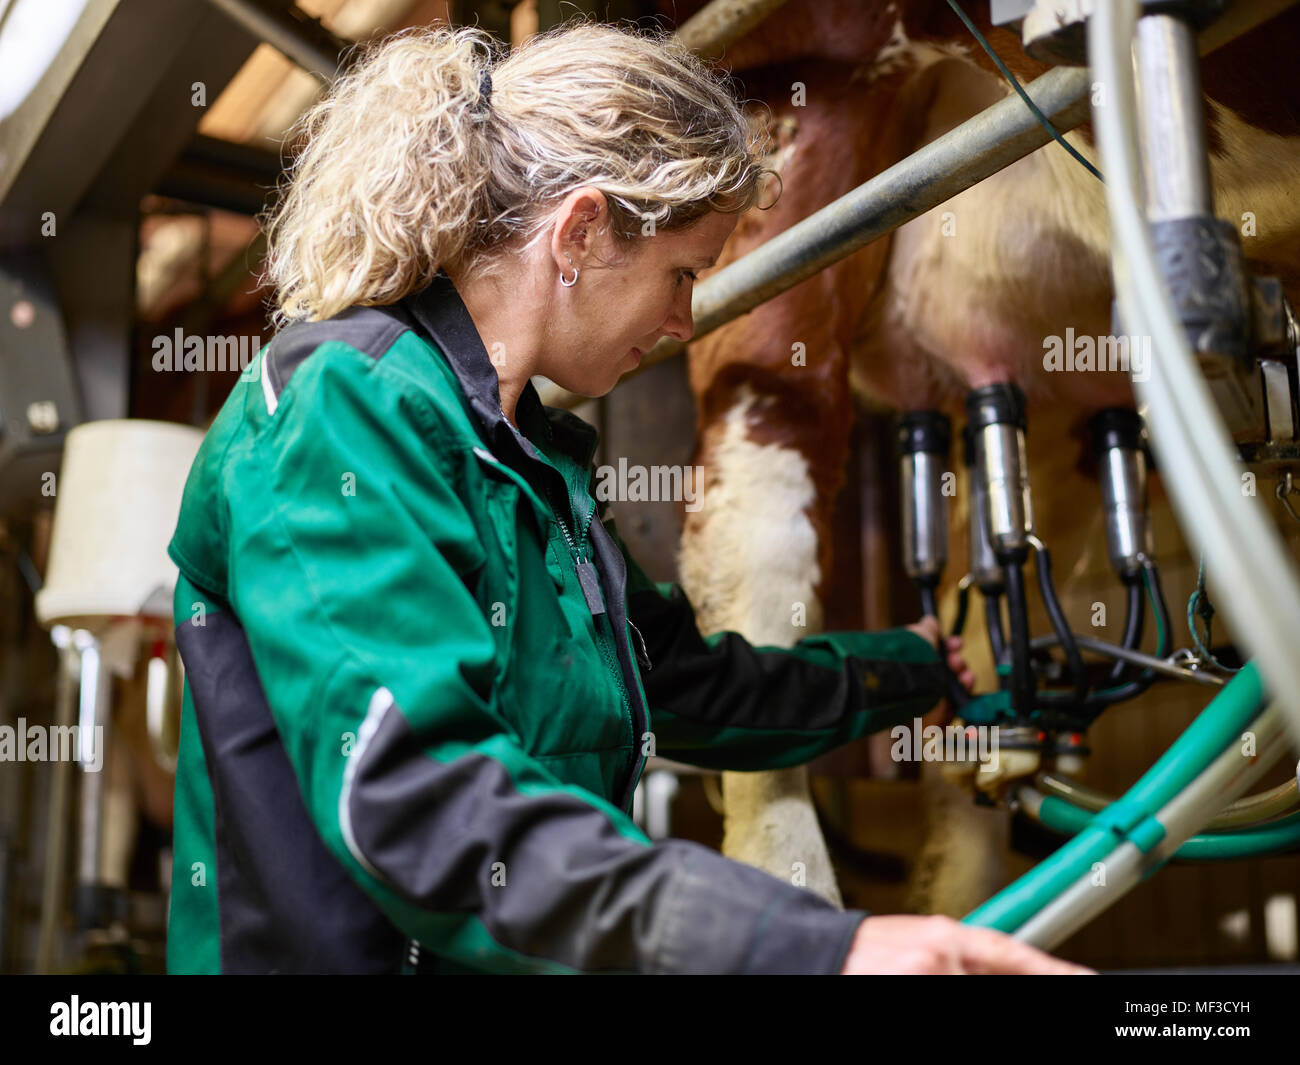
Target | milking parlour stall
(878,556)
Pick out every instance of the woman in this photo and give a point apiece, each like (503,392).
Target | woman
(422,679)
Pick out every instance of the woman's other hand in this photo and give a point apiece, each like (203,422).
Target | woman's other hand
(928,629)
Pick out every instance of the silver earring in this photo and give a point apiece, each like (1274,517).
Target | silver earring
(570,284)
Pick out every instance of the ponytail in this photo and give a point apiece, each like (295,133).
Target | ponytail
(392,178)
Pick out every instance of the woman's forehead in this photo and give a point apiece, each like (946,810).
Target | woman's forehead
(700,243)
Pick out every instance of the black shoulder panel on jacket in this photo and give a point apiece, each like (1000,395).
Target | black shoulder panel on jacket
(372,330)
(286,904)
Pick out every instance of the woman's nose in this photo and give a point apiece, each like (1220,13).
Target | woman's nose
(680,324)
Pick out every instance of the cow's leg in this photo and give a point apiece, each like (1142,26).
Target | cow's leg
(771,823)
(774,414)
(752,560)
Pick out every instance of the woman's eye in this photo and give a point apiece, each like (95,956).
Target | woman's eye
(686,273)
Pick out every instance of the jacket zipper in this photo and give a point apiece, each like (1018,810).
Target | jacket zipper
(611,664)
(638,647)
(564,527)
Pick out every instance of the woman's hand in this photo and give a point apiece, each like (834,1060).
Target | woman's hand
(928,629)
(903,944)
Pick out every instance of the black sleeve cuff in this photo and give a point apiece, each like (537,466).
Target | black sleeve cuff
(723,916)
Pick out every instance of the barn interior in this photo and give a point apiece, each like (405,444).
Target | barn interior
(1115,542)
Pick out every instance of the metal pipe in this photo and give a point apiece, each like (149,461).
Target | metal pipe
(1117,445)
(923,440)
(1002,469)
(925,516)
(65,711)
(1176,169)
(996,418)
(93,722)
(1140,658)
(288,33)
(717,24)
(985,572)
(996,422)
(952,163)
(1123,489)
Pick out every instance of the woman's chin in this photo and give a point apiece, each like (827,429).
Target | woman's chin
(584,389)
(591,385)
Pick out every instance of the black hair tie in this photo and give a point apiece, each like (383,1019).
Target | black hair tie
(485,90)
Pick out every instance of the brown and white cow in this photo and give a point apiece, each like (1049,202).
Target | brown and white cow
(960,297)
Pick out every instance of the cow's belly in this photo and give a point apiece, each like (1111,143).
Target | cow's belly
(986,286)
(976,288)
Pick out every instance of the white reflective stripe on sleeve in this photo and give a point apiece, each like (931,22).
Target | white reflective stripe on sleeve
(272,401)
(380,703)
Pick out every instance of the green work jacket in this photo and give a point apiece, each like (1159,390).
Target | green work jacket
(423,676)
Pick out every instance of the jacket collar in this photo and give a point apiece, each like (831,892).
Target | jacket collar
(441,312)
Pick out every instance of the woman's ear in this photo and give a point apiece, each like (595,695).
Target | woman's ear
(578,223)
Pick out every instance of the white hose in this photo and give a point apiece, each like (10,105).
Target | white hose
(1228,776)
(1198,461)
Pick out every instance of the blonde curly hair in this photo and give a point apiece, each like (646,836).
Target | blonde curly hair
(407,170)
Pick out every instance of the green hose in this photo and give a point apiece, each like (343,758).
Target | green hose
(1131,817)
(1274,837)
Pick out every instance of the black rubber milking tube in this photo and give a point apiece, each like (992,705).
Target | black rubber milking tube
(963,607)
(993,621)
(1061,625)
(1022,674)
(957,695)
(1134,620)
(1098,701)
(929,602)
(1162,611)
